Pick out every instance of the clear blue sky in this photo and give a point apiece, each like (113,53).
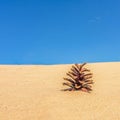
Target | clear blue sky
(59,31)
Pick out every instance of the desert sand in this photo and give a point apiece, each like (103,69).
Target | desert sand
(33,92)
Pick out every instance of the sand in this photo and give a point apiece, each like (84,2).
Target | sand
(33,92)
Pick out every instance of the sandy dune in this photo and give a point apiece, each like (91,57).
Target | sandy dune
(32,92)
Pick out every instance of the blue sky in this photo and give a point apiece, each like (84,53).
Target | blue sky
(59,31)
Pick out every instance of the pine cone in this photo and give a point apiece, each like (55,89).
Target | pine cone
(79,78)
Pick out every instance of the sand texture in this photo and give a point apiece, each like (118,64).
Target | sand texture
(32,92)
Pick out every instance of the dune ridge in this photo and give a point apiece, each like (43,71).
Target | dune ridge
(33,92)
